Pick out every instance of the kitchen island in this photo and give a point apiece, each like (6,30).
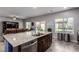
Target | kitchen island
(20,42)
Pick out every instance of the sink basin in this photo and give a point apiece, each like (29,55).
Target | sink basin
(37,34)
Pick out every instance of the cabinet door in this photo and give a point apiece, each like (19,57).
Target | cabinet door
(44,43)
(41,43)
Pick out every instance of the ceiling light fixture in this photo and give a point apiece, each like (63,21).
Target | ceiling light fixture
(14,18)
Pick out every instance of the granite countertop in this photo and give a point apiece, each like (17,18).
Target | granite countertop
(20,38)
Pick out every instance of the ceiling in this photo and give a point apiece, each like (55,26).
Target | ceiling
(26,12)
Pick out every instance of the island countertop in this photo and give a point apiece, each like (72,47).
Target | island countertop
(20,38)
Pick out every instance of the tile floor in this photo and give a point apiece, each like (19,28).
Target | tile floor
(1,47)
(61,46)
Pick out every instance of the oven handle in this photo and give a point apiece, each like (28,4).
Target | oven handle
(26,46)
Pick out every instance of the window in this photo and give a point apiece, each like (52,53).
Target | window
(70,24)
(28,25)
(40,26)
(59,25)
(64,25)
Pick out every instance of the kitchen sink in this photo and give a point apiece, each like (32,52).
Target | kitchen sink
(38,34)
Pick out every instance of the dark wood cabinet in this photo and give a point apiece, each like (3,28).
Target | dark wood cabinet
(9,25)
(44,43)
(78,37)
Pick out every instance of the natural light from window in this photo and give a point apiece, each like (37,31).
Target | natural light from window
(28,25)
(64,25)
(40,26)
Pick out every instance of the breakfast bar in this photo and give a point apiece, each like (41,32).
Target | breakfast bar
(27,42)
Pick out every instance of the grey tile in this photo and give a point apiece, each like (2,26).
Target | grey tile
(61,46)
(1,47)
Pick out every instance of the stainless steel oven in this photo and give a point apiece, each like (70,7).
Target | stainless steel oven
(30,47)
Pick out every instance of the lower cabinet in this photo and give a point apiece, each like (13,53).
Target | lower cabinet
(78,37)
(43,43)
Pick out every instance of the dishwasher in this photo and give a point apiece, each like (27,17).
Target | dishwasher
(29,47)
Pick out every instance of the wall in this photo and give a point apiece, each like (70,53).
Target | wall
(50,20)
